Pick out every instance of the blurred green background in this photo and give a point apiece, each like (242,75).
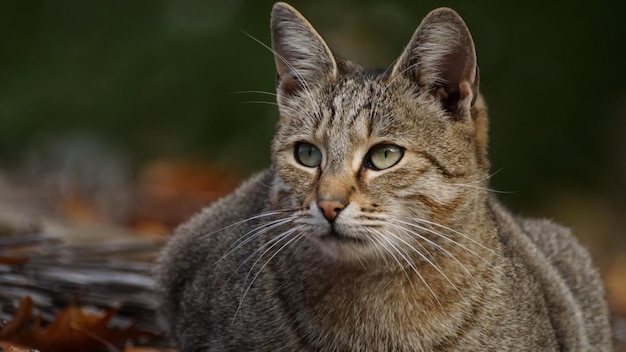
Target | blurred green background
(165,78)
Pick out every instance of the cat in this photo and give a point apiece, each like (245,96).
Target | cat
(373,229)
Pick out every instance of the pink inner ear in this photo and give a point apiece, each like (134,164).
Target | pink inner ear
(457,67)
(465,88)
(457,80)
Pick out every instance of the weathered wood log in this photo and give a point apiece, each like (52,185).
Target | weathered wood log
(55,262)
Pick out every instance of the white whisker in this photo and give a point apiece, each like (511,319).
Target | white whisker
(437,246)
(436,267)
(424,221)
(272,243)
(379,245)
(256,92)
(253,234)
(254,217)
(481,188)
(447,238)
(408,261)
(259,102)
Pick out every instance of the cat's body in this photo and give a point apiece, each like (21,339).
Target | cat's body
(373,229)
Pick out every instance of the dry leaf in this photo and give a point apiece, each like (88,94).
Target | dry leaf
(11,347)
(72,330)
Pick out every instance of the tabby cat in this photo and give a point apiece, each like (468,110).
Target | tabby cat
(373,229)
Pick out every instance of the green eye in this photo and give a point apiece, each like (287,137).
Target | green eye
(308,155)
(384,156)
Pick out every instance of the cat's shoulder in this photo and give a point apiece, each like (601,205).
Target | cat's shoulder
(562,248)
(565,271)
(575,267)
(553,240)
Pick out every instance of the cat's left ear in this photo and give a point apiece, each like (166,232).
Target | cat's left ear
(441,59)
(301,55)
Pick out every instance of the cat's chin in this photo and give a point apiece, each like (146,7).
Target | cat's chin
(344,247)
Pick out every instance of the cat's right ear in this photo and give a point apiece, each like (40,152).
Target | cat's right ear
(301,55)
(441,59)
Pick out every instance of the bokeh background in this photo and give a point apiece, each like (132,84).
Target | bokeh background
(98,97)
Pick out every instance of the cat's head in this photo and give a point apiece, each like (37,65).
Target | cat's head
(374,159)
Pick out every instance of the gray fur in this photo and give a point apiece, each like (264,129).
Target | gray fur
(419,258)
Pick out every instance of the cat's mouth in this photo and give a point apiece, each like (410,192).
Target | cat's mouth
(336,236)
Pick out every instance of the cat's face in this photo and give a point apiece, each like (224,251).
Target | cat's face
(372,164)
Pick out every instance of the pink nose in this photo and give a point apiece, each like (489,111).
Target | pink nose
(330,208)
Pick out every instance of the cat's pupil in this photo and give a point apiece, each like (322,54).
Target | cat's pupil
(384,156)
(307,154)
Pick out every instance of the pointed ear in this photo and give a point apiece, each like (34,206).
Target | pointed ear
(301,55)
(441,59)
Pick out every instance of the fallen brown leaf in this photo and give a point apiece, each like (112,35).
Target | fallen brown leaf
(11,347)
(73,329)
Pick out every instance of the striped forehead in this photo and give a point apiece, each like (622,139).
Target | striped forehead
(346,121)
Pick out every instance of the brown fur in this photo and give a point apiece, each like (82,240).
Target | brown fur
(346,256)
